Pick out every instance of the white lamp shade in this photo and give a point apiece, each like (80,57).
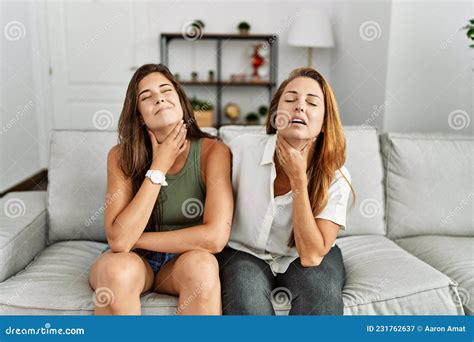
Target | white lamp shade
(311,28)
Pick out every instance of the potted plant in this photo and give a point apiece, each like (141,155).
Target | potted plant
(203,112)
(470,31)
(198,24)
(263,110)
(252,118)
(244,27)
(211,76)
(194,76)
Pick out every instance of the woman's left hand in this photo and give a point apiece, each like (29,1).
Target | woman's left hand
(294,162)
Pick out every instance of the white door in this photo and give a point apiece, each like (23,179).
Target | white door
(93,51)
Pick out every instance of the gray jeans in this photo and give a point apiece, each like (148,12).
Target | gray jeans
(248,285)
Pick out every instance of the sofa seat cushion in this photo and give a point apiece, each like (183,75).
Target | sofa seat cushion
(384,279)
(451,255)
(56,283)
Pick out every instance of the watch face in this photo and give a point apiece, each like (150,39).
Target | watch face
(156,177)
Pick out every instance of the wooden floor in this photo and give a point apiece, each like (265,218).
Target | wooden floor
(37,182)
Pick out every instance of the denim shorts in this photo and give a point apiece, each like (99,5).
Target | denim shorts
(157,261)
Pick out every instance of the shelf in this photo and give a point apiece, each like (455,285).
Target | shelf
(241,124)
(223,36)
(199,83)
(220,38)
(229,83)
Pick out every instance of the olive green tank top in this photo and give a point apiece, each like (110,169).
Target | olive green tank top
(182,201)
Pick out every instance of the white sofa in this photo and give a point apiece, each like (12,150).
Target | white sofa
(407,249)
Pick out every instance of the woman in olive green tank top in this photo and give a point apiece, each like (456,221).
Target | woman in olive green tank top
(169,203)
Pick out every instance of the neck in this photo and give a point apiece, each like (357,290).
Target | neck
(163,132)
(299,144)
(281,176)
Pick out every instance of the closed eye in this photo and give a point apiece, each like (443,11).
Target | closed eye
(144,98)
(312,104)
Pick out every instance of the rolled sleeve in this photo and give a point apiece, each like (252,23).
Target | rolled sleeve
(338,197)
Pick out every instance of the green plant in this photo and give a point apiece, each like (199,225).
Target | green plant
(263,110)
(251,117)
(243,26)
(211,75)
(199,105)
(470,31)
(199,24)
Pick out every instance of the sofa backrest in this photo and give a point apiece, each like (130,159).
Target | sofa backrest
(77,179)
(227,133)
(364,164)
(429,184)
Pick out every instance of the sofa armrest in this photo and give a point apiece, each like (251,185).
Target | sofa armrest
(23,230)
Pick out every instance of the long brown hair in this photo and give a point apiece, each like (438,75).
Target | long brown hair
(136,154)
(330,151)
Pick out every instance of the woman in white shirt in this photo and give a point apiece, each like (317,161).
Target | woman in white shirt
(291,192)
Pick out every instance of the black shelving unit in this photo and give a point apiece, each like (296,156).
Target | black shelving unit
(220,84)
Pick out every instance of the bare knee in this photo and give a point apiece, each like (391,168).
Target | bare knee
(198,271)
(121,272)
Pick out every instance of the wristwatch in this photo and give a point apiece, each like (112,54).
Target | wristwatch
(156,177)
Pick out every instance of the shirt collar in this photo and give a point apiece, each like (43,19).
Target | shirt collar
(269,150)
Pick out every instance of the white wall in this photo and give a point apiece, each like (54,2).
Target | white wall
(359,60)
(24,123)
(264,17)
(430,70)
(397,65)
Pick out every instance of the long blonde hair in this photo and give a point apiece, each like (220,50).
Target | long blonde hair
(330,151)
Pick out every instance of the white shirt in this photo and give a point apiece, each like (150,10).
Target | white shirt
(263,224)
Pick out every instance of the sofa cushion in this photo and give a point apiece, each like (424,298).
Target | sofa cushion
(384,279)
(428,184)
(210,130)
(22,230)
(77,183)
(364,164)
(227,133)
(56,283)
(77,177)
(451,255)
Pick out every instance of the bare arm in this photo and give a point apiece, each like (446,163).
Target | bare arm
(126,215)
(313,237)
(213,234)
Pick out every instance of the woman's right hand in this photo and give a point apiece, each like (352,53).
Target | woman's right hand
(165,153)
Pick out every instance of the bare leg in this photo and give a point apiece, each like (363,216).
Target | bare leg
(118,280)
(194,277)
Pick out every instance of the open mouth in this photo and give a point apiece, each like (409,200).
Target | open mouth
(298,122)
